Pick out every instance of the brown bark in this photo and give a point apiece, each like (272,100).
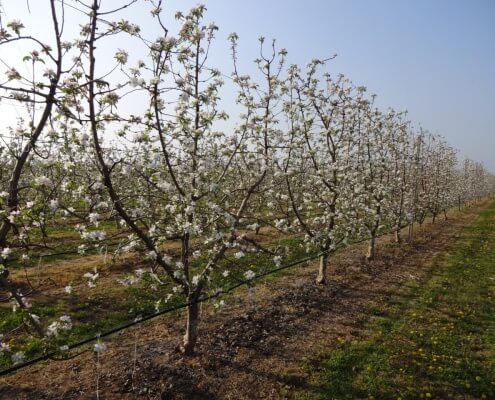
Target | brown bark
(191,336)
(371,248)
(411,232)
(398,237)
(321,279)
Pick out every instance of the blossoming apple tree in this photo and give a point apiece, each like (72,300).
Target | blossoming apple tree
(196,184)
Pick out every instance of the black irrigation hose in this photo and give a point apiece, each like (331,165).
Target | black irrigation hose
(152,316)
(52,354)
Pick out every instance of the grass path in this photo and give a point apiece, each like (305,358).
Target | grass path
(433,341)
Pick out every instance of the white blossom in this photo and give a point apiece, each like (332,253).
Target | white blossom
(99,347)
(63,324)
(4,348)
(5,253)
(53,205)
(195,280)
(121,56)
(94,218)
(43,181)
(249,274)
(220,304)
(18,358)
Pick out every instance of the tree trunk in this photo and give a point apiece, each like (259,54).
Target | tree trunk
(398,237)
(371,248)
(434,218)
(376,226)
(191,335)
(445,215)
(321,279)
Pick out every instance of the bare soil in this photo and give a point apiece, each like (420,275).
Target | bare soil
(254,347)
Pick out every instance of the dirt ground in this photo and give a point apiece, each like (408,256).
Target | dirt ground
(254,347)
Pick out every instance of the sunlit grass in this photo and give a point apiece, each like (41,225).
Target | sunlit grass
(439,344)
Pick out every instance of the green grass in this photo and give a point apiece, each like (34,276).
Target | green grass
(437,340)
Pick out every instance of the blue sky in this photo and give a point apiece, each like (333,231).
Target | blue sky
(435,58)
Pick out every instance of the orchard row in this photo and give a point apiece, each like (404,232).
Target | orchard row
(147,150)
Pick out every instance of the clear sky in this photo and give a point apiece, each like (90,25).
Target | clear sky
(435,58)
